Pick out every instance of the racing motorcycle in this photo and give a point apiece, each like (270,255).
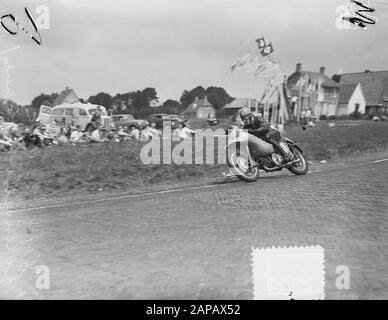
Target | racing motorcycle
(248,154)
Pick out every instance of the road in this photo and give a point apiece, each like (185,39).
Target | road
(196,243)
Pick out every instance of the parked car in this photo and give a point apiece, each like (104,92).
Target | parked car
(75,114)
(127,120)
(159,117)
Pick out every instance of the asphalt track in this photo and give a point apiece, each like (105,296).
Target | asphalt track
(195,243)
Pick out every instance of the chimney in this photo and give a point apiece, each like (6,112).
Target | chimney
(322,70)
(299,67)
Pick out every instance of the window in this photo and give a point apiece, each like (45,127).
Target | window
(92,111)
(82,112)
(46,110)
(58,112)
(69,112)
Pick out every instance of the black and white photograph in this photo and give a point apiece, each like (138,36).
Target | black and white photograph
(193,150)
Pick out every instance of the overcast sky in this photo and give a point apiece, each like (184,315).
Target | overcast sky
(172,45)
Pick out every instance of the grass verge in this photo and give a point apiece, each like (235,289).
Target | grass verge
(54,172)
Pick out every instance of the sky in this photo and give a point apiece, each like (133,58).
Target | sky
(174,45)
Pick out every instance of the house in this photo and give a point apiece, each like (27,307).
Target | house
(312,89)
(374,85)
(351,99)
(200,108)
(237,104)
(66,96)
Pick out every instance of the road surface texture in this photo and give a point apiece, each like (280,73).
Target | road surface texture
(196,244)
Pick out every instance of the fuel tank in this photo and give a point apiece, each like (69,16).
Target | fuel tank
(257,147)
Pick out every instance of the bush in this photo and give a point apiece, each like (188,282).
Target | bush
(356,115)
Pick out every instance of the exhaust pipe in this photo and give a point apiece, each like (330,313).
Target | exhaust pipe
(280,167)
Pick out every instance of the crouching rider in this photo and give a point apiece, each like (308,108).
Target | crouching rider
(257,126)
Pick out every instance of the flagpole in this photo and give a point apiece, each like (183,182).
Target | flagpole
(299,105)
(249,91)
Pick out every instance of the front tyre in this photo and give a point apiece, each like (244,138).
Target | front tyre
(299,168)
(238,163)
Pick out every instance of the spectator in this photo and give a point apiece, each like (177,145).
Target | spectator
(176,134)
(122,134)
(45,136)
(134,133)
(36,134)
(186,132)
(96,118)
(17,139)
(145,134)
(54,129)
(153,131)
(112,135)
(64,130)
(29,139)
(77,135)
(97,135)
(5,142)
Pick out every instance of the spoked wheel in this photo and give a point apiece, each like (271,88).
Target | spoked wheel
(239,164)
(300,167)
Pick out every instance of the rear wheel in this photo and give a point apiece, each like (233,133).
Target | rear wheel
(301,167)
(239,165)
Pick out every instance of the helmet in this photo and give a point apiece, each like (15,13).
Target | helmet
(244,112)
(258,115)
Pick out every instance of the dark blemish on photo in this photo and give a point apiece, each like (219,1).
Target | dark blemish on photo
(37,39)
(365,19)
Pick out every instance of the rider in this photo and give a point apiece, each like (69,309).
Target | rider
(257,126)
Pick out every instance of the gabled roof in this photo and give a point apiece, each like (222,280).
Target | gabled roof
(346,92)
(316,76)
(62,96)
(239,103)
(198,103)
(374,85)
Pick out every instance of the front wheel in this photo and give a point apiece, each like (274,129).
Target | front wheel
(301,167)
(238,163)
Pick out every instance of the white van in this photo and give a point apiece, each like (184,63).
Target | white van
(75,114)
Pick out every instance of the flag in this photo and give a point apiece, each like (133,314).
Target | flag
(309,86)
(261,42)
(241,63)
(267,50)
(302,81)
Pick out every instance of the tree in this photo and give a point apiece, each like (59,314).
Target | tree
(188,97)
(138,103)
(103,99)
(217,96)
(171,107)
(336,77)
(43,98)
(150,95)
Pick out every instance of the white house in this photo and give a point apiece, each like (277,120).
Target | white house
(351,99)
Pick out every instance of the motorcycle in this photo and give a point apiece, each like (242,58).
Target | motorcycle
(248,154)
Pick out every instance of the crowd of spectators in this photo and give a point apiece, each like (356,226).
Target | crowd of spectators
(56,133)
